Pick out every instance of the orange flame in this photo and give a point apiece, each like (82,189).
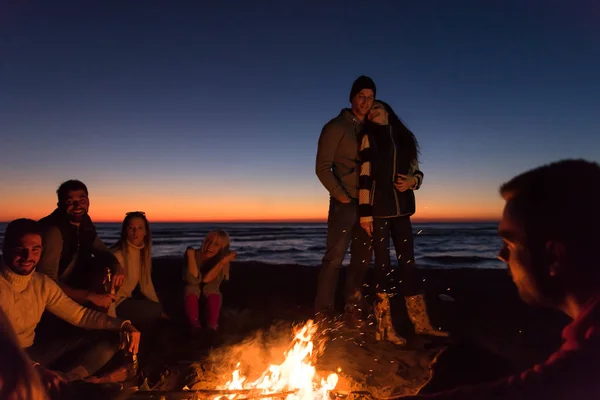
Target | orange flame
(296,374)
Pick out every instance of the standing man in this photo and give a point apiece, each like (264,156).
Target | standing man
(337,167)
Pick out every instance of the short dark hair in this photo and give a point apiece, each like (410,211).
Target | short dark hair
(559,201)
(16,229)
(71,185)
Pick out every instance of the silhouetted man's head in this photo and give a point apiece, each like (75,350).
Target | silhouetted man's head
(551,231)
(73,199)
(22,246)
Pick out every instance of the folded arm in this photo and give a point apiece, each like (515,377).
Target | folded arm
(417,174)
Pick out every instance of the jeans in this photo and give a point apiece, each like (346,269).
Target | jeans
(343,228)
(142,313)
(387,278)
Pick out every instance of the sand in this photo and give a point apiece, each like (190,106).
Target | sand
(261,304)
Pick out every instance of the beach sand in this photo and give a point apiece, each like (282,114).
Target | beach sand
(261,302)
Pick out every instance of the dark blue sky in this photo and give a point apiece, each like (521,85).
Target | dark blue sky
(207,101)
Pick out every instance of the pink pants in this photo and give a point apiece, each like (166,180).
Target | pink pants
(213,309)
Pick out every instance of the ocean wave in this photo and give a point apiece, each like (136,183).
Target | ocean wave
(451,260)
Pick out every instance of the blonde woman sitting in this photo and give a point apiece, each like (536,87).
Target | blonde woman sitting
(205,270)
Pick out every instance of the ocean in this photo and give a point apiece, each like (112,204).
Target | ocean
(437,245)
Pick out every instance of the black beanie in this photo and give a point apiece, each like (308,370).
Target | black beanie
(16,230)
(362,82)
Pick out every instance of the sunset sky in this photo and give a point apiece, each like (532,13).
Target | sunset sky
(198,111)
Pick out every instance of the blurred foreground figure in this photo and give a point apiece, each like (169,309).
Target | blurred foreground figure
(18,379)
(551,232)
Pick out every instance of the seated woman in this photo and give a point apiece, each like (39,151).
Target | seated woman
(136,299)
(205,269)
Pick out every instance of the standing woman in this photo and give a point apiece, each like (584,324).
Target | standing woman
(136,299)
(388,176)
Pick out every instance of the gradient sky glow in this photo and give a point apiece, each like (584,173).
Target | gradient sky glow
(212,111)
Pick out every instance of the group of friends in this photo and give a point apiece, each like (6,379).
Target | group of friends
(62,289)
(368,160)
(71,303)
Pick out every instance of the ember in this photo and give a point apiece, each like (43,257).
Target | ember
(296,376)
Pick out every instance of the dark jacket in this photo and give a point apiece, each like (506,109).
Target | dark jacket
(382,160)
(337,160)
(64,241)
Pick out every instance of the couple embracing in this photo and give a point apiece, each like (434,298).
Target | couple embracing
(368,161)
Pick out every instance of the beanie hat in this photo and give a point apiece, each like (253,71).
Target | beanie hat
(362,82)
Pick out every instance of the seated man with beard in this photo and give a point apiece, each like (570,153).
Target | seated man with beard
(26,294)
(74,256)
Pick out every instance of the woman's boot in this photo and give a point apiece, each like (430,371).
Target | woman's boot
(417,311)
(385,329)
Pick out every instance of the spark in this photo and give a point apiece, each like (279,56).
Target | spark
(418,233)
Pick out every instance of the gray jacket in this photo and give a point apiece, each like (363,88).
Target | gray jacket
(337,165)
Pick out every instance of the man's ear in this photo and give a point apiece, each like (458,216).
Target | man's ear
(555,257)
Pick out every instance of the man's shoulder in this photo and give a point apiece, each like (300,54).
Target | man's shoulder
(342,122)
(43,284)
(41,279)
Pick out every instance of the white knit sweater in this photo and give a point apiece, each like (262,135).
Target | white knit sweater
(24,298)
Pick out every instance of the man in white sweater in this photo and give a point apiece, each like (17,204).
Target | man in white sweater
(25,294)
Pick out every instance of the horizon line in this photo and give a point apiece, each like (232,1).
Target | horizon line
(291,220)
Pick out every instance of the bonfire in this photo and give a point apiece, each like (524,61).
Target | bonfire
(295,378)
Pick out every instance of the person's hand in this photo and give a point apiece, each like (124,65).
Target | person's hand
(232,255)
(368,226)
(130,338)
(101,300)
(404,182)
(345,199)
(118,279)
(52,381)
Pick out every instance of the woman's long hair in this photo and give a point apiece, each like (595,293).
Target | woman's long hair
(146,255)
(408,146)
(18,379)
